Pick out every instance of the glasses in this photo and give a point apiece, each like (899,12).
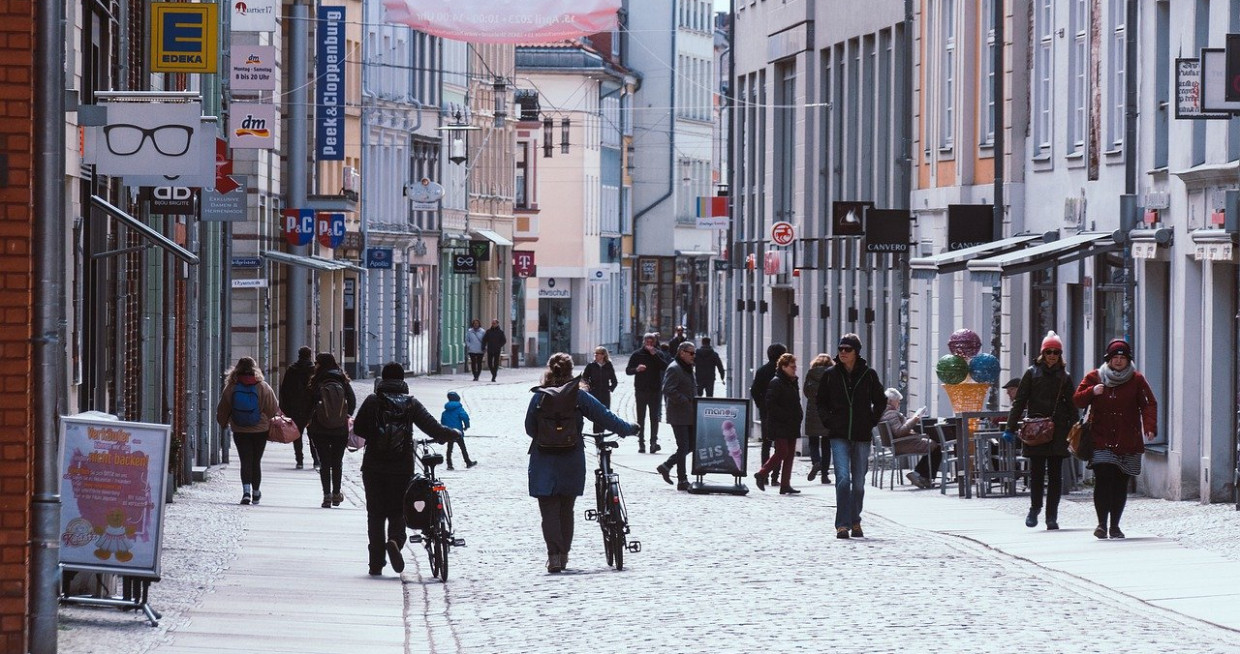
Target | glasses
(691,353)
(1054,352)
(169,140)
(846,348)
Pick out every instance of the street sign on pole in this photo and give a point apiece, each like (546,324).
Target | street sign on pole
(782,233)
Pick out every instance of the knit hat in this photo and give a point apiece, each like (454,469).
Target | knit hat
(893,394)
(852,341)
(1118,346)
(1051,342)
(453,396)
(392,370)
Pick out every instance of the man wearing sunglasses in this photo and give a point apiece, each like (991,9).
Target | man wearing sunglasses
(851,400)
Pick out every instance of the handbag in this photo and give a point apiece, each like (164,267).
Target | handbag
(1081,438)
(354,442)
(1038,431)
(282,429)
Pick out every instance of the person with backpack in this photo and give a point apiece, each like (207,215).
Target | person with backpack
(334,402)
(295,401)
(454,416)
(557,470)
(385,421)
(246,404)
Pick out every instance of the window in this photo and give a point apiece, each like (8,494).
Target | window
(1043,89)
(947,72)
(987,55)
(1078,81)
(1115,73)
(522,182)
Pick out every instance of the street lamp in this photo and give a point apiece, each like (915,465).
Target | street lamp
(458,127)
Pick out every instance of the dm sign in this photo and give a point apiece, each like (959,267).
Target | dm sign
(298,226)
(330,229)
(184,37)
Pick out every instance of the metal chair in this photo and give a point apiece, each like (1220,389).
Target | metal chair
(887,441)
(880,456)
(948,467)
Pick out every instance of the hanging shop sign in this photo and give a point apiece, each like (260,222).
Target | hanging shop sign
(464,264)
(554,288)
(523,264)
(252,126)
(184,37)
(783,233)
(888,230)
(169,200)
(254,15)
(253,68)
(330,228)
(379,258)
(225,207)
(154,144)
(480,249)
(848,218)
(425,194)
(329,85)
(969,225)
(298,226)
(505,21)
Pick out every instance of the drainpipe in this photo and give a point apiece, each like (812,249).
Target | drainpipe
(47,342)
(996,299)
(1130,157)
(729,100)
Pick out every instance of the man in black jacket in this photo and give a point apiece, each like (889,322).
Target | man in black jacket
(851,400)
(385,420)
(757,390)
(295,400)
(646,366)
(494,341)
(704,369)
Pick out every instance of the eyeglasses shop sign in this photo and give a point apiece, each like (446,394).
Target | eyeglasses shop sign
(555,288)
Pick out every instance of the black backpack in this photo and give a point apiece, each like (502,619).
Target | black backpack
(333,409)
(557,419)
(394,433)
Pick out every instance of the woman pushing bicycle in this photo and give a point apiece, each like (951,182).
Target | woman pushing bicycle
(557,469)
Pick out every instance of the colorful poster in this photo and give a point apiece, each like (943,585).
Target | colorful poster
(505,21)
(113,475)
(721,436)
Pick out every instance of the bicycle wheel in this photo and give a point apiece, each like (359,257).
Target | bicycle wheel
(430,538)
(444,544)
(617,545)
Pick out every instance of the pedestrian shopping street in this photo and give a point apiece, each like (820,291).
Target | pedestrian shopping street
(717,573)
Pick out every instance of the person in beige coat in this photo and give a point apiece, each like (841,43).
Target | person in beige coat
(246,405)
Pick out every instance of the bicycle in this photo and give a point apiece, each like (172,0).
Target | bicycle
(437,536)
(611,514)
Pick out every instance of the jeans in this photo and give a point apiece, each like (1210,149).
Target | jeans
(648,400)
(851,459)
(684,447)
(385,513)
(475,364)
(1041,467)
(557,522)
(250,450)
(331,457)
(493,363)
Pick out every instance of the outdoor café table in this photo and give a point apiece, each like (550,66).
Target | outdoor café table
(996,461)
(970,423)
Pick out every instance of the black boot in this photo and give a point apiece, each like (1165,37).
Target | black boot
(1031,520)
(654,444)
(641,444)
(1052,520)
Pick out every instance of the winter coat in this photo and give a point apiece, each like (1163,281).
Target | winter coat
(762,377)
(369,422)
(454,415)
(1045,393)
(564,473)
(678,393)
(601,379)
(295,392)
(783,405)
(313,427)
(813,423)
(901,428)
(1121,414)
(268,407)
(675,343)
(474,337)
(850,404)
(705,364)
(649,381)
(494,340)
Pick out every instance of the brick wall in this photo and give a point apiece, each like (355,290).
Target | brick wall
(16,287)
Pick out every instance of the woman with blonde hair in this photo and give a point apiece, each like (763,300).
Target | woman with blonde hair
(246,404)
(599,378)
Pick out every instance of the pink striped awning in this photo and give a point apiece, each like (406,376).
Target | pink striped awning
(505,21)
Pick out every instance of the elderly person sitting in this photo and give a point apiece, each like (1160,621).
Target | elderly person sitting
(901,429)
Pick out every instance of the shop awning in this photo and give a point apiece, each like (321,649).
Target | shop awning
(311,262)
(492,237)
(991,270)
(145,231)
(956,260)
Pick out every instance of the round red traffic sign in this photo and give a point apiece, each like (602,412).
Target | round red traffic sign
(782,233)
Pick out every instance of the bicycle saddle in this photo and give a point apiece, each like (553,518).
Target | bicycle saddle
(431,460)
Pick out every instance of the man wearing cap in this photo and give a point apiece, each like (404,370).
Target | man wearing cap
(851,400)
(1010,387)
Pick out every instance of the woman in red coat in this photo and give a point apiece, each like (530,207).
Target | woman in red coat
(1123,411)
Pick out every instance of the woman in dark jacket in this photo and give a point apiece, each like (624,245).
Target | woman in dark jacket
(783,409)
(599,378)
(819,446)
(329,440)
(1122,411)
(557,479)
(1045,391)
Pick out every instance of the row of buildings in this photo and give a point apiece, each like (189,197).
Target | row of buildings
(1116,212)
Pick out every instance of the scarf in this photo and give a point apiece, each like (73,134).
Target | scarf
(1113,378)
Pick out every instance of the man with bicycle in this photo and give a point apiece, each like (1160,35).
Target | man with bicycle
(385,420)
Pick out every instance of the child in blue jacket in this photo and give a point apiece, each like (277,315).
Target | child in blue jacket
(454,416)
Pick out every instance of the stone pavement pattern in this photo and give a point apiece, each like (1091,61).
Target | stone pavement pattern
(717,574)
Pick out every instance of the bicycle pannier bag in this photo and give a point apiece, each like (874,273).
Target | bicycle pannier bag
(420,503)
(558,422)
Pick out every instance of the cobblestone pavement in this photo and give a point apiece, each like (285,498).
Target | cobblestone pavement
(717,573)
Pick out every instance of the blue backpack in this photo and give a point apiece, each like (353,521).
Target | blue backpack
(245,405)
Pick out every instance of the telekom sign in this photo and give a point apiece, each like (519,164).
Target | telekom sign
(505,21)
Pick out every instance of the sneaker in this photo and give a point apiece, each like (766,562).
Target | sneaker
(666,472)
(813,471)
(915,479)
(841,532)
(1031,520)
(246,498)
(337,498)
(394,557)
(450,467)
(856,531)
(1100,532)
(1052,524)
(825,479)
(327,501)
(375,572)
(471,464)
(258,495)
(1116,533)
(788,490)
(316,467)
(300,466)
(554,563)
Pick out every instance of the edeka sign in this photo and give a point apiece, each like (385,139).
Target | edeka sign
(969,225)
(329,85)
(330,227)
(298,226)
(184,37)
